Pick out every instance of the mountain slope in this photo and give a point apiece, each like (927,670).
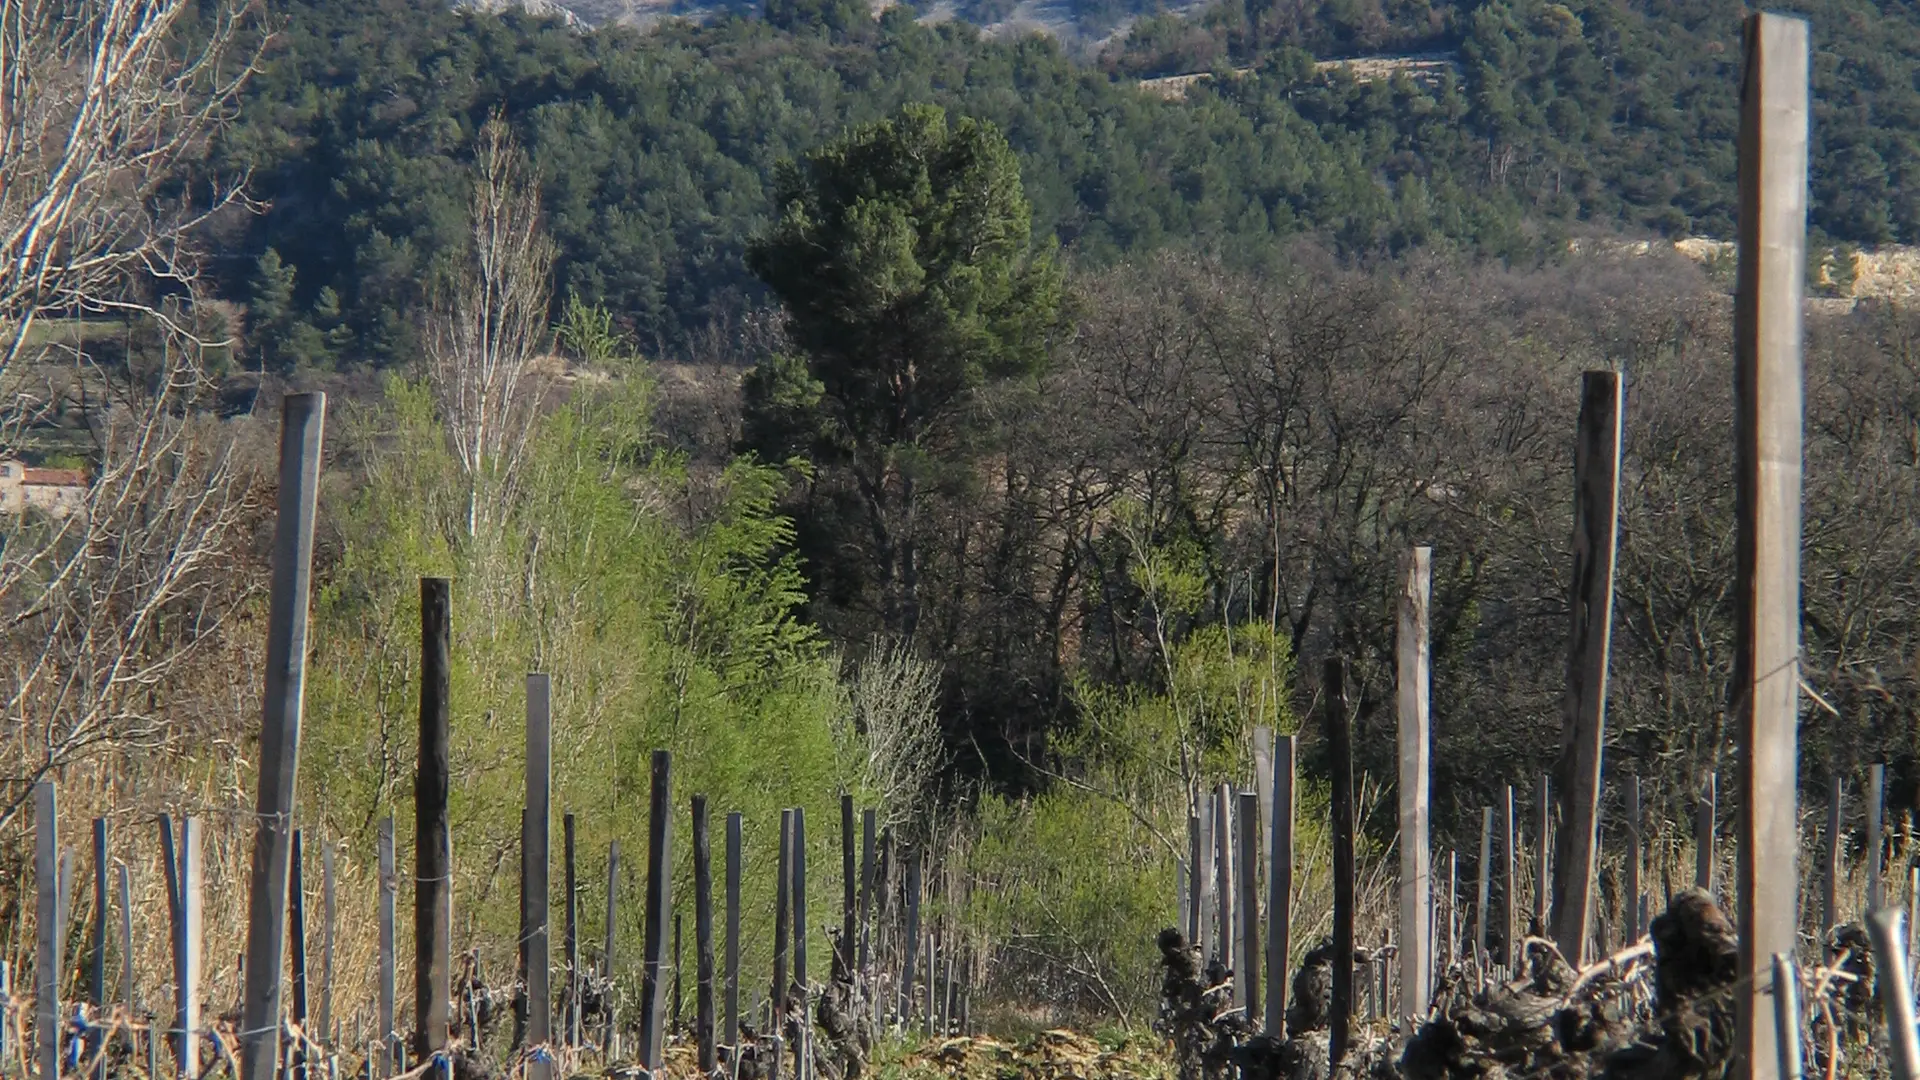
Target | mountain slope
(655,148)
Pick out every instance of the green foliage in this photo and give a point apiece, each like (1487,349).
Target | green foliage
(902,253)
(654,149)
(661,626)
(902,256)
(833,16)
(1079,879)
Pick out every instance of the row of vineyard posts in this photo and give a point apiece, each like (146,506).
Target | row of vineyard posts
(1219,887)
(1219,907)
(880,938)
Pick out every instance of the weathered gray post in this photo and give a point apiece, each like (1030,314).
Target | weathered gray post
(96,1048)
(1830,896)
(537,861)
(1280,886)
(432,840)
(1412,680)
(606,950)
(48,1020)
(1262,786)
(389,885)
(703,938)
(1483,910)
(302,420)
(1340,762)
(1704,855)
(1890,969)
(1247,906)
(909,970)
(1204,870)
(1596,502)
(570,935)
(800,896)
(733,929)
(1634,929)
(1543,851)
(1876,839)
(1913,919)
(653,983)
(1196,860)
(1223,869)
(126,960)
(868,823)
(327,910)
(297,934)
(1765,693)
(188,951)
(1786,1016)
(782,914)
(844,954)
(1510,881)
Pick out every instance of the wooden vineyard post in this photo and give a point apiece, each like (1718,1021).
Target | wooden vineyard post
(1195,860)
(1704,812)
(799,865)
(1263,787)
(703,938)
(1913,919)
(653,982)
(782,913)
(912,939)
(1830,893)
(1634,856)
(606,949)
(1510,882)
(1786,1015)
(1280,885)
(1223,870)
(1765,694)
(389,1027)
(1340,763)
(1596,501)
(868,821)
(1247,971)
(1876,839)
(536,864)
(1542,854)
(1890,970)
(849,891)
(98,983)
(1204,871)
(432,839)
(126,961)
(733,930)
(1483,906)
(49,934)
(297,934)
(1412,684)
(327,912)
(303,418)
(570,935)
(184,876)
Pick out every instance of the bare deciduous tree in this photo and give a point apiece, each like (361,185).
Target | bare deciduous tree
(104,105)
(489,323)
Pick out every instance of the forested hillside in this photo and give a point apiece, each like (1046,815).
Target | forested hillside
(656,149)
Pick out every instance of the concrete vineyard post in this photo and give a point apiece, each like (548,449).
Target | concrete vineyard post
(1412,684)
(1769,293)
(303,420)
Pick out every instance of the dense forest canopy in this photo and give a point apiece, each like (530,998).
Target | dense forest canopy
(657,149)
